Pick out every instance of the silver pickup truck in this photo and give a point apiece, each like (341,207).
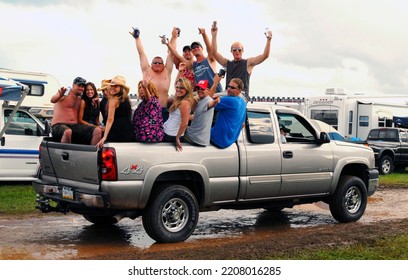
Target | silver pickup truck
(169,188)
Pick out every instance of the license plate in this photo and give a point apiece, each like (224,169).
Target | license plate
(67,193)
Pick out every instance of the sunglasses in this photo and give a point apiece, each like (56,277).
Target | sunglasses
(198,88)
(157,62)
(236,50)
(195,47)
(179,87)
(231,87)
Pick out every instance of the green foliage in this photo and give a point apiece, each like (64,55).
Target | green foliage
(17,199)
(387,248)
(394,179)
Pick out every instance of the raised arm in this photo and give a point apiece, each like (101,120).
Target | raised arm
(253,61)
(144,63)
(214,48)
(177,56)
(59,95)
(173,43)
(217,80)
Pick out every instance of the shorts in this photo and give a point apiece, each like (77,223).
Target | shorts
(81,133)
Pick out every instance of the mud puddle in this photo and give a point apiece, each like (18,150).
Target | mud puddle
(72,237)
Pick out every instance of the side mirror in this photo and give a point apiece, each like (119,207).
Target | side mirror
(323,138)
(44,132)
(28,131)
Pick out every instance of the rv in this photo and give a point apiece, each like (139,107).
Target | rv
(41,86)
(355,115)
(20,134)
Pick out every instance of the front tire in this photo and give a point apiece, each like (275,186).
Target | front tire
(386,165)
(350,199)
(171,215)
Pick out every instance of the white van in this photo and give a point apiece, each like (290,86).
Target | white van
(42,87)
(20,139)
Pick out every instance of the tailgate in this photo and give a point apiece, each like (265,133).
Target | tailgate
(71,164)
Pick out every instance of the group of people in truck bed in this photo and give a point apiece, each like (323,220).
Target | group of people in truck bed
(199,112)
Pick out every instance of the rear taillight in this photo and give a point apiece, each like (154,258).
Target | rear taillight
(108,164)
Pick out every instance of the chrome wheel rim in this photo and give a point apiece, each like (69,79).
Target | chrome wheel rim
(352,200)
(175,215)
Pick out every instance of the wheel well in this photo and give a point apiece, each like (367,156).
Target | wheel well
(358,170)
(386,153)
(188,178)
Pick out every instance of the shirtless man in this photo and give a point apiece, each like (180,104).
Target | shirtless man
(157,71)
(65,125)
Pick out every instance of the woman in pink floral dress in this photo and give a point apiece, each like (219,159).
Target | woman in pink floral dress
(147,118)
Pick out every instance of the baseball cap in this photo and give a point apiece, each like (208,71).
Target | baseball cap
(203,84)
(193,44)
(79,81)
(186,48)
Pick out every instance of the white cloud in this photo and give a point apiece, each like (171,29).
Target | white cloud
(358,45)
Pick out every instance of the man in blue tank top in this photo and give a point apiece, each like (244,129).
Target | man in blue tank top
(239,67)
(204,67)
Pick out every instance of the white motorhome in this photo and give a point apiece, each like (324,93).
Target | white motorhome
(355,115)
(20,135)
(42,87)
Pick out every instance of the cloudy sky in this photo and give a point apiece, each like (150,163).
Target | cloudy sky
(358,45)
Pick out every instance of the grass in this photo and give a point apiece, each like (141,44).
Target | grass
(394,179)
(386,248)
(17,199)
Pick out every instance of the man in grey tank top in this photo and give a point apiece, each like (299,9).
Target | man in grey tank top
(239,67)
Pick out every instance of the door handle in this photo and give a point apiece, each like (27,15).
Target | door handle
(287,154)
(65,156)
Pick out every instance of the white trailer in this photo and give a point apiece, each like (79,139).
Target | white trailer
(20,134)
(41,86)
(355,115)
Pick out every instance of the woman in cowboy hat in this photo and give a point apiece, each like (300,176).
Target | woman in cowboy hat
(118,125)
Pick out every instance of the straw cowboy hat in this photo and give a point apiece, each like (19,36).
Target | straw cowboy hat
(104,85)
(120,81)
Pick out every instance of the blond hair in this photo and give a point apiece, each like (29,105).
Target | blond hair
(188,96)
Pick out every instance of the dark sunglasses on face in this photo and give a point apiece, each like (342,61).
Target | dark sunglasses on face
(236,50)
(195,47)
(180,87)
(157,62)
(231,87)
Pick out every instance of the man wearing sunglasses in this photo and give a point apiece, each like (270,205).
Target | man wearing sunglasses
(231,113)
(204,67)
(157,71)
(239,67)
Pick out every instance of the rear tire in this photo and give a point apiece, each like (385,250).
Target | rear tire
(171,215)
(386,165)
(350,199)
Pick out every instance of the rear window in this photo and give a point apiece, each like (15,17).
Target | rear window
(383,135)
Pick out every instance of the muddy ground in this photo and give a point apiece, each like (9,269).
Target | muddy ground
(226,234)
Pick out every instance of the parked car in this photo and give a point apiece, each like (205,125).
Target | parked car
(324,127)
(390,146)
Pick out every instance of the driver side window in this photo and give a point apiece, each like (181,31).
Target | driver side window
(298,129)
